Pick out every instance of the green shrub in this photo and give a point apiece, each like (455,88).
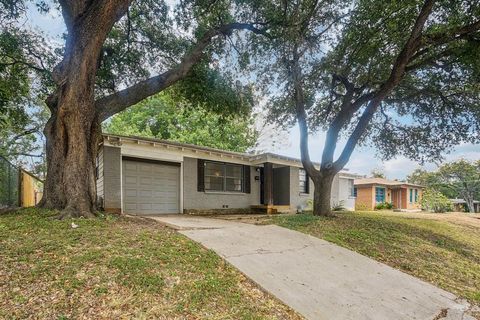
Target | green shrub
(384,206)
(435,201)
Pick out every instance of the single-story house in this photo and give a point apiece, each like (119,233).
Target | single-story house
(460,205)
(150,176)
(370,192)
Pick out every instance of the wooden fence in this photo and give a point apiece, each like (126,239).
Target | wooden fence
(18,187)
(30,189)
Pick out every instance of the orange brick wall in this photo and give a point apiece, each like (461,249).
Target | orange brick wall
(413,205)
(365,198)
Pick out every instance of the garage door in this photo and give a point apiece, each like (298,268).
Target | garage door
(150,188)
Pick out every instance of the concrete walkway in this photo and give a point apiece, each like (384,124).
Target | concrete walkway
(316,278)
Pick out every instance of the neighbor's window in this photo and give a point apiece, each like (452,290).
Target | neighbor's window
(379,195)
(411,195)
(351,188)
(416,195)
(303,181)
(355,192)
(223,177)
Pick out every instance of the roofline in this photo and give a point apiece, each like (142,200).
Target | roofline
(174,143)
(251,157)
(389,185)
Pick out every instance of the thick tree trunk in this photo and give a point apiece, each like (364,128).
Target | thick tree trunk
(73,130)
(72,141)
(72,134)
(322,195)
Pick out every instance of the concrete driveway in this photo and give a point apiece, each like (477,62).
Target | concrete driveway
(318,279)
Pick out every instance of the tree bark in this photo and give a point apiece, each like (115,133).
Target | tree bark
(470,204)
(322,194)
(72,140)
(73,130)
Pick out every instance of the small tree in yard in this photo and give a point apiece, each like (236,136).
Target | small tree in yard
(401,75)
(116,54)
(435,201)
(458,179)
(462,177)
(431,180)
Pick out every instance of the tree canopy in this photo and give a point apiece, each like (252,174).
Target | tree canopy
(24,82)
(165,117)
(457,179)
(402,77)
(433,107)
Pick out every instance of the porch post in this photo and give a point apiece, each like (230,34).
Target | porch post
(268,183)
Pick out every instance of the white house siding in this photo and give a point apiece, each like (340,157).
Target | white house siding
(297,199)
(193,199)
(344,191)
(99,182)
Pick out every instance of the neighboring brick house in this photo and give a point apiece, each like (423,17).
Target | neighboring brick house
(372,191)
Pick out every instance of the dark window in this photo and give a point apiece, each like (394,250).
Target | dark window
(355,192)
(303,181)
(416,195)
(223,177)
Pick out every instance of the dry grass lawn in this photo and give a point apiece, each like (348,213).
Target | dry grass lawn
(443,249)
(118,268)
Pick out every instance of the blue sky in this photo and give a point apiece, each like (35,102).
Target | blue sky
(363,159)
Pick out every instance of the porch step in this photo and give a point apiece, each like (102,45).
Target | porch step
(270,209)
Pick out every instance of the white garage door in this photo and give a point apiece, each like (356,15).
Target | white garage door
(150,188)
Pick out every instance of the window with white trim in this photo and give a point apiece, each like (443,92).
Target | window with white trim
(223,177)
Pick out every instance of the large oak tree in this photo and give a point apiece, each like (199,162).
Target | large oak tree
(117,53)
(401,75)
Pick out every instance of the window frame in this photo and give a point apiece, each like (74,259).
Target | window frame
(383,194)
(224,177)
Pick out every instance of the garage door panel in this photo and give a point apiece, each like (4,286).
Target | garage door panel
(130,166)
(130,179)
(142,193)
(150,188)
(130,193)
(130,207)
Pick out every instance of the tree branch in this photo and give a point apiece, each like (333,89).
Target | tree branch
(396,75)
(25,133)
(296,74)
(119,101)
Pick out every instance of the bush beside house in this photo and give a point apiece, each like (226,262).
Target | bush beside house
(435,201)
